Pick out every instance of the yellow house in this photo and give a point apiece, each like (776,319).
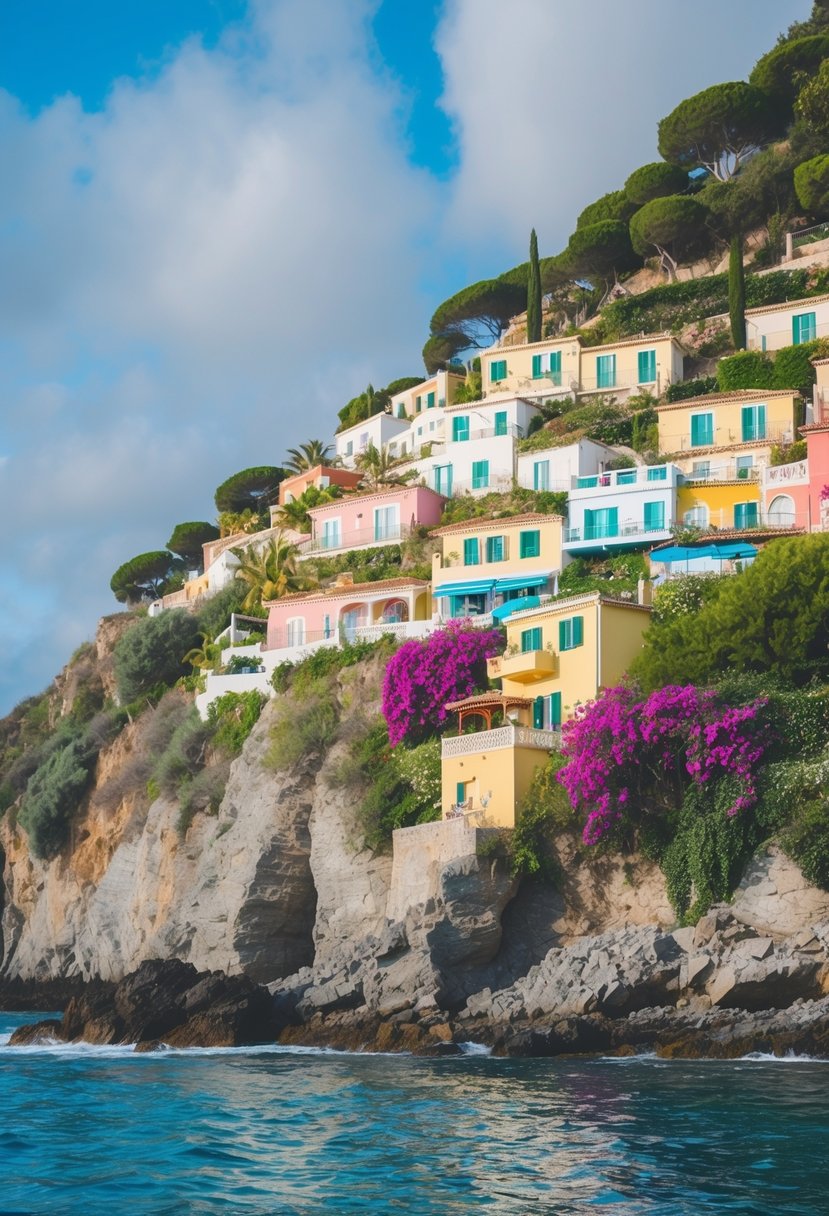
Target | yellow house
(727,435)
(489,564)
(558,656)
(719,504)
(564,365)
(438,391)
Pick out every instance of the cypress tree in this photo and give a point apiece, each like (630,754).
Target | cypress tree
(737,292)
(534,293)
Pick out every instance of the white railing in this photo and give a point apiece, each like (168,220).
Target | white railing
(796,473)
(724,472)
(653,476)
(624,531)
(360,538)
(495,482)
(499,739)
(396,629)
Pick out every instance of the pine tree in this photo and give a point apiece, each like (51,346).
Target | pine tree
(737,293)
(534,293)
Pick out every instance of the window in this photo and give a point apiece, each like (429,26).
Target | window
(349,448)
(296,631)
(430,401)
(605,371)
(386,523)
(471,551)
(571,633)
(530,639)
(496,550)
(443,479)
(702,430)
(658,473)
(364,441)
(538,713)
(744,465)
(548,365)
(696,517)
(460,793)
(401,410)
(497,370)
(418,404)
(654,516)
(331,534)
(701,468)
(626,477)
(600,524)
(530,543)
(781,511)
(554,712)
(541,475)
(460,429)
(804,328)
(326,626)
(480,474)
(501,422)
(647,366)
(745,515)
(753,422)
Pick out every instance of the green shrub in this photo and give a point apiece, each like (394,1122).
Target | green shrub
(214,617)
(232,718)
(52,797)
(806,841)
(684,389)
(184,755)
(401,787)
(151,652)
(685,595)
(203,793)
(304,727)
(544,812)
(793,368)
(746,369)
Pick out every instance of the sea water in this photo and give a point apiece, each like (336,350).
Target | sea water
(94,1130)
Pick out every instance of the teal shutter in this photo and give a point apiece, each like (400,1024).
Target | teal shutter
(555,367)
(460,429)
(555,710)
(761,422)
(745,515)
(571,633)
(480,474)
(418,404)
(647,366)
(702,430)
(460,793)
(578,630)
(564,635)
(605,371)
(501,422)
(654,516)
(657,473)
(538,713)
(536,367)
(804,328)
(495,548)
(541,475)
(530,544)
(748,423)
(430,401)
(498,370)
(531,639)
(471,552)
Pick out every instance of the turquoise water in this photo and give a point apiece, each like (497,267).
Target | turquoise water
(100,1130)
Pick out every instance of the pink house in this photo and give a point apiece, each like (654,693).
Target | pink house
(382,517)
(793,493)
(337,612)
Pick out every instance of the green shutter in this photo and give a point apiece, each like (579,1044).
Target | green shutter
(571,633)
(745,515)
(418,404)
(555,367)
(605,371)
(430,401)
(460,429)
(541,475)
(538,713)
(564,635)
(498,369)
(460,793)
(501,422)
(495,548)
(702,430)
(654,516)
(531,639)
(761,422)
(480,474)
(578,630)
(536,367)
(748,423)
(471,552)
(804,328)
(647,366)
(530,544)
(555,710)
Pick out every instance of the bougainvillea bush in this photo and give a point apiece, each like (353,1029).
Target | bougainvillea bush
(629,755)
(424,675)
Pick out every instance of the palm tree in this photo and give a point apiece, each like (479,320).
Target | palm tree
(205,657)
(308,456)
(271,571)
(377,466)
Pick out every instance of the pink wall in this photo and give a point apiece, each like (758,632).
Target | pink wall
(817,443)
(416,504)
(322,614)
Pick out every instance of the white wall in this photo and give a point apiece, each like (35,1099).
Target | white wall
(772,329)
(379,430)
(576,460)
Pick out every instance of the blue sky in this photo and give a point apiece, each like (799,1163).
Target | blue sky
(221,218)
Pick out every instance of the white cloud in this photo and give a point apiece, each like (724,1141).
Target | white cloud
(555,103)
(190,281)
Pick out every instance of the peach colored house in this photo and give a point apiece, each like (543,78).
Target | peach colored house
(321,476)
(382,517)
(338,612)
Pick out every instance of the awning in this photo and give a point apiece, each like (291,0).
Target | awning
(475,587)
(689,553)
(509,606)
(518,584)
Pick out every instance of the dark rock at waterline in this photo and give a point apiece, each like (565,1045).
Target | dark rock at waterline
(167,1002)
(37,1033)
(24,996)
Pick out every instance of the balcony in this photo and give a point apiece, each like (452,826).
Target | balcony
(651,476)
(524,668)
(489,432)
(629,533)
(778,476)
(498,739)
(361,538)
(724,472)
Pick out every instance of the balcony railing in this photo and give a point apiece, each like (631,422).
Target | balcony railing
(498,739)
(723,437)
(624,531)
(500,482)
(489,432)
(523,668)
(396,629)
(781,475)
(649,475)
(361,538)
(724,472)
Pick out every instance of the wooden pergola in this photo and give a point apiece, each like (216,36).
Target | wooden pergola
(485,704)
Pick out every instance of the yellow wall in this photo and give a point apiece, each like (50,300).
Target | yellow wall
(719,497)
(622,630)
(675,421)
(451,557)
(578,364)
(519,360)
(506,773)
(668,364)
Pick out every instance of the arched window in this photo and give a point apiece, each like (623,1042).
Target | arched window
(781,511)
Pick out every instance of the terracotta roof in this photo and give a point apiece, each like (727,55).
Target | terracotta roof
(493,697)
(574,601)
(337,503)
(506,397)
(506,521)
(738,394)
(729,534)
(387,584)
(753,312)
(636,340)
(713,448)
